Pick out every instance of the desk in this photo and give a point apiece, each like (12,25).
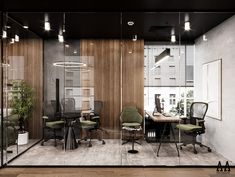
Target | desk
(167,121)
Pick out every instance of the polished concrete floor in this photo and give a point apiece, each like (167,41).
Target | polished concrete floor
(17,149)
(115,154)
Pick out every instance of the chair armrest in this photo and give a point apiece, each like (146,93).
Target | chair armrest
(95,117)
(45,117)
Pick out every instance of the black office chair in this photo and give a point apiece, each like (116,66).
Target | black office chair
(196,124)
(95,116)
(52,122)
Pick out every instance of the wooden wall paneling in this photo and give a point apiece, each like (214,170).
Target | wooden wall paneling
(106,80)
(133,74)
(31,50)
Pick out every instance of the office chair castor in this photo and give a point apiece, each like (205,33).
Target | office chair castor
(181,148)
(90,145)
(103,142)
(42,143)
(209,149)
(195,152)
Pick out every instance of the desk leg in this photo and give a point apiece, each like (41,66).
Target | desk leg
(173,134)
(162,136)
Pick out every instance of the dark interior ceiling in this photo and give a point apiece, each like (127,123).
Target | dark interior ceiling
(151,26)
(101,19)
(117,5)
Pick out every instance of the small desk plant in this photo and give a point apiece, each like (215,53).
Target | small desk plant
(22,104)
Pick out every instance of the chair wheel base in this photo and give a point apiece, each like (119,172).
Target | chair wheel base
(195,152)
(209,149)
(103,142)
(133,151)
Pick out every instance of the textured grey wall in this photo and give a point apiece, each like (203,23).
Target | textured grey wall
(53,52)
(220,45)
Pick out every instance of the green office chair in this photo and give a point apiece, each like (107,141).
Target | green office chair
(52,122)
(131,121)
(196,125)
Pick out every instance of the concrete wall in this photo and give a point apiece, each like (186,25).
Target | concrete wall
(219,135)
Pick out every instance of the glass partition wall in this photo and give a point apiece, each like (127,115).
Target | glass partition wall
(97,64)
(21,76)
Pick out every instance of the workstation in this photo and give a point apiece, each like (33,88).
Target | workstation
(81,89)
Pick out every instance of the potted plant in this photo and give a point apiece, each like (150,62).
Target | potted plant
(22,105)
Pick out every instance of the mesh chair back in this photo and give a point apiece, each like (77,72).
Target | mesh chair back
(98,107)
(130,115)
(68,104)
(197,111)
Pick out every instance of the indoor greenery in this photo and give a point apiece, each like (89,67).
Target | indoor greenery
(22,102)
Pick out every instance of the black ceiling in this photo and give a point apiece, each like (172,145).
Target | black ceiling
(117,5)
(150,26)
(101,18)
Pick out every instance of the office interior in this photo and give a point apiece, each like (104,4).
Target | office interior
(57,67)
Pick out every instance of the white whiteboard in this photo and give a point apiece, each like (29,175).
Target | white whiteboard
(212,84)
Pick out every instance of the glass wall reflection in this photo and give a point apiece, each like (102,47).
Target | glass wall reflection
(114,84)
(21,95)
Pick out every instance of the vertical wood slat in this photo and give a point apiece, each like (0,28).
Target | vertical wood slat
(107,77)
(32,51)
(133,74)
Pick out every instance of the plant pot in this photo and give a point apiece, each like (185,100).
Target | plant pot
(23,138)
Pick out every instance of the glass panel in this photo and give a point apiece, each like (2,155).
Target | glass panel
(20,96)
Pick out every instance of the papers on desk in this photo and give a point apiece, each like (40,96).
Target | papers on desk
(167,114)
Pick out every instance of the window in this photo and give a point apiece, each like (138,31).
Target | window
(172,99)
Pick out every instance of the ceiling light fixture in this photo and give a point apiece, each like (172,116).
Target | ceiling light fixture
(8,26)
(61,38)
(4,34)
(67,45)
(173,38)
(187,26)
(12,41)
(47,26)
(63,28)
(134,38)
(130,23)
(204,37)
(17,38)
(25,27)
(75,52)
(162,56)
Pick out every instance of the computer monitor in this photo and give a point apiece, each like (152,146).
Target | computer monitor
(158,104)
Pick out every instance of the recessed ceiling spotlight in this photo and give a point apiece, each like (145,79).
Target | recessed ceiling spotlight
(7,26)
(25,27)
(134,38)
(4,34)
(61,38)
(91,43)
(75,52)
(12,41)
(173,38)
(204,37)
(130,23)
(17,38)
(67,45)
(47,26)
(130,52)
(187,26)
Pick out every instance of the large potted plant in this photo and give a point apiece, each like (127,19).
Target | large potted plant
(22,105)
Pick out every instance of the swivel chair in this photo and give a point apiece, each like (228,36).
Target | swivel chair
(93,124)
(52,122)
(196,125)
(131,121)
